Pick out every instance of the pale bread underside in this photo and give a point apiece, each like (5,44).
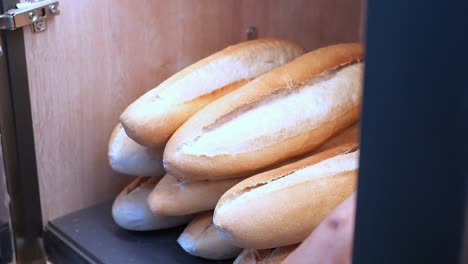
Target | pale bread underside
(128,157)
(131,212)
(200,238)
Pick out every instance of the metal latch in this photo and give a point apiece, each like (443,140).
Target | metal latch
(34,13)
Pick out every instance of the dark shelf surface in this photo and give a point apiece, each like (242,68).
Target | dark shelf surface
(92,234)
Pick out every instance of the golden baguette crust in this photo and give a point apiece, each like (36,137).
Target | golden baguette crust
(154,117)
(200,238)
(266,177)
(264,256)
(183,163)
(282,207)
(128,157)
(172,198)
(348,136)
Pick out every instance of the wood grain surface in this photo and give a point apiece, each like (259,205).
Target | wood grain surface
(99,56)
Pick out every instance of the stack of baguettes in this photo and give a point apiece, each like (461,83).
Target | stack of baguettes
(262,133)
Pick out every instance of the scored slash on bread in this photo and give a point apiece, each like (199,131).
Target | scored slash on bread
(156,115)
(280,115)
(282,206)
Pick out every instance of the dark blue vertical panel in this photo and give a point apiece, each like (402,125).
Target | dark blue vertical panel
(413,164)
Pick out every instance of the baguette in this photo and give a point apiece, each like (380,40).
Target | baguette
(264,256)
(201,239)
(281,207)
(131,212)
(172,198)
(332,241)
(156,115)
(128,157)
(283,114)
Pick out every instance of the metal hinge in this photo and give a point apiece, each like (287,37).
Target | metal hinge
(34,13)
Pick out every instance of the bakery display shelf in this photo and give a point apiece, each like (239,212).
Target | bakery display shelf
(91,236)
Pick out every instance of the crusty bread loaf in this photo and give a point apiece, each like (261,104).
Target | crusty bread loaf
(281,207)
(332,241)
(154,117)
(265,256)
(131,212)
(200,238)
(128,157)
(282,114)
(172,197)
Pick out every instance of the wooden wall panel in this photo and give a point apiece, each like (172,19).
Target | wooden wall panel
(312,23)
(99,56)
